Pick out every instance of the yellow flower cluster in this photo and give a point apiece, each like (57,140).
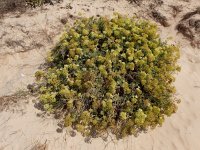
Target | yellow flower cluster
(112,74)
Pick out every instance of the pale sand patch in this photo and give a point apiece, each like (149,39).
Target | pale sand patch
(21,131)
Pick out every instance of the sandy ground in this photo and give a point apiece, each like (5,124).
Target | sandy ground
(24,41)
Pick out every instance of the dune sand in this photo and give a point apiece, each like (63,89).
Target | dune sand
(24,41)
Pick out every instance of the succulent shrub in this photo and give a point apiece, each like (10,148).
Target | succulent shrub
(110,74)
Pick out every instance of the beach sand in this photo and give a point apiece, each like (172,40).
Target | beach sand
(26,38)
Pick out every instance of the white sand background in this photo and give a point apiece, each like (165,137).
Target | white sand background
(36,31)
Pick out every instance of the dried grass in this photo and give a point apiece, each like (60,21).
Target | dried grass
(12,100)
(39,146)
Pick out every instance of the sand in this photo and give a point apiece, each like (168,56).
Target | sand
(24,41)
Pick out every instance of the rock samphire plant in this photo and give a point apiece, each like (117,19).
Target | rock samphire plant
(111,75)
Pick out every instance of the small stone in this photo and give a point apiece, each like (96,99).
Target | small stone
(59,130)
(38,114)
(71,16)
(63,20)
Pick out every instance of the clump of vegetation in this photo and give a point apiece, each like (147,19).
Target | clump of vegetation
(21,5)
(35,3)
(110,74)
(13,101)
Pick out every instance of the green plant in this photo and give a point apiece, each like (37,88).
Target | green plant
(112,74)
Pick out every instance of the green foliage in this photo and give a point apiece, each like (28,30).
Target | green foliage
(112,74)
